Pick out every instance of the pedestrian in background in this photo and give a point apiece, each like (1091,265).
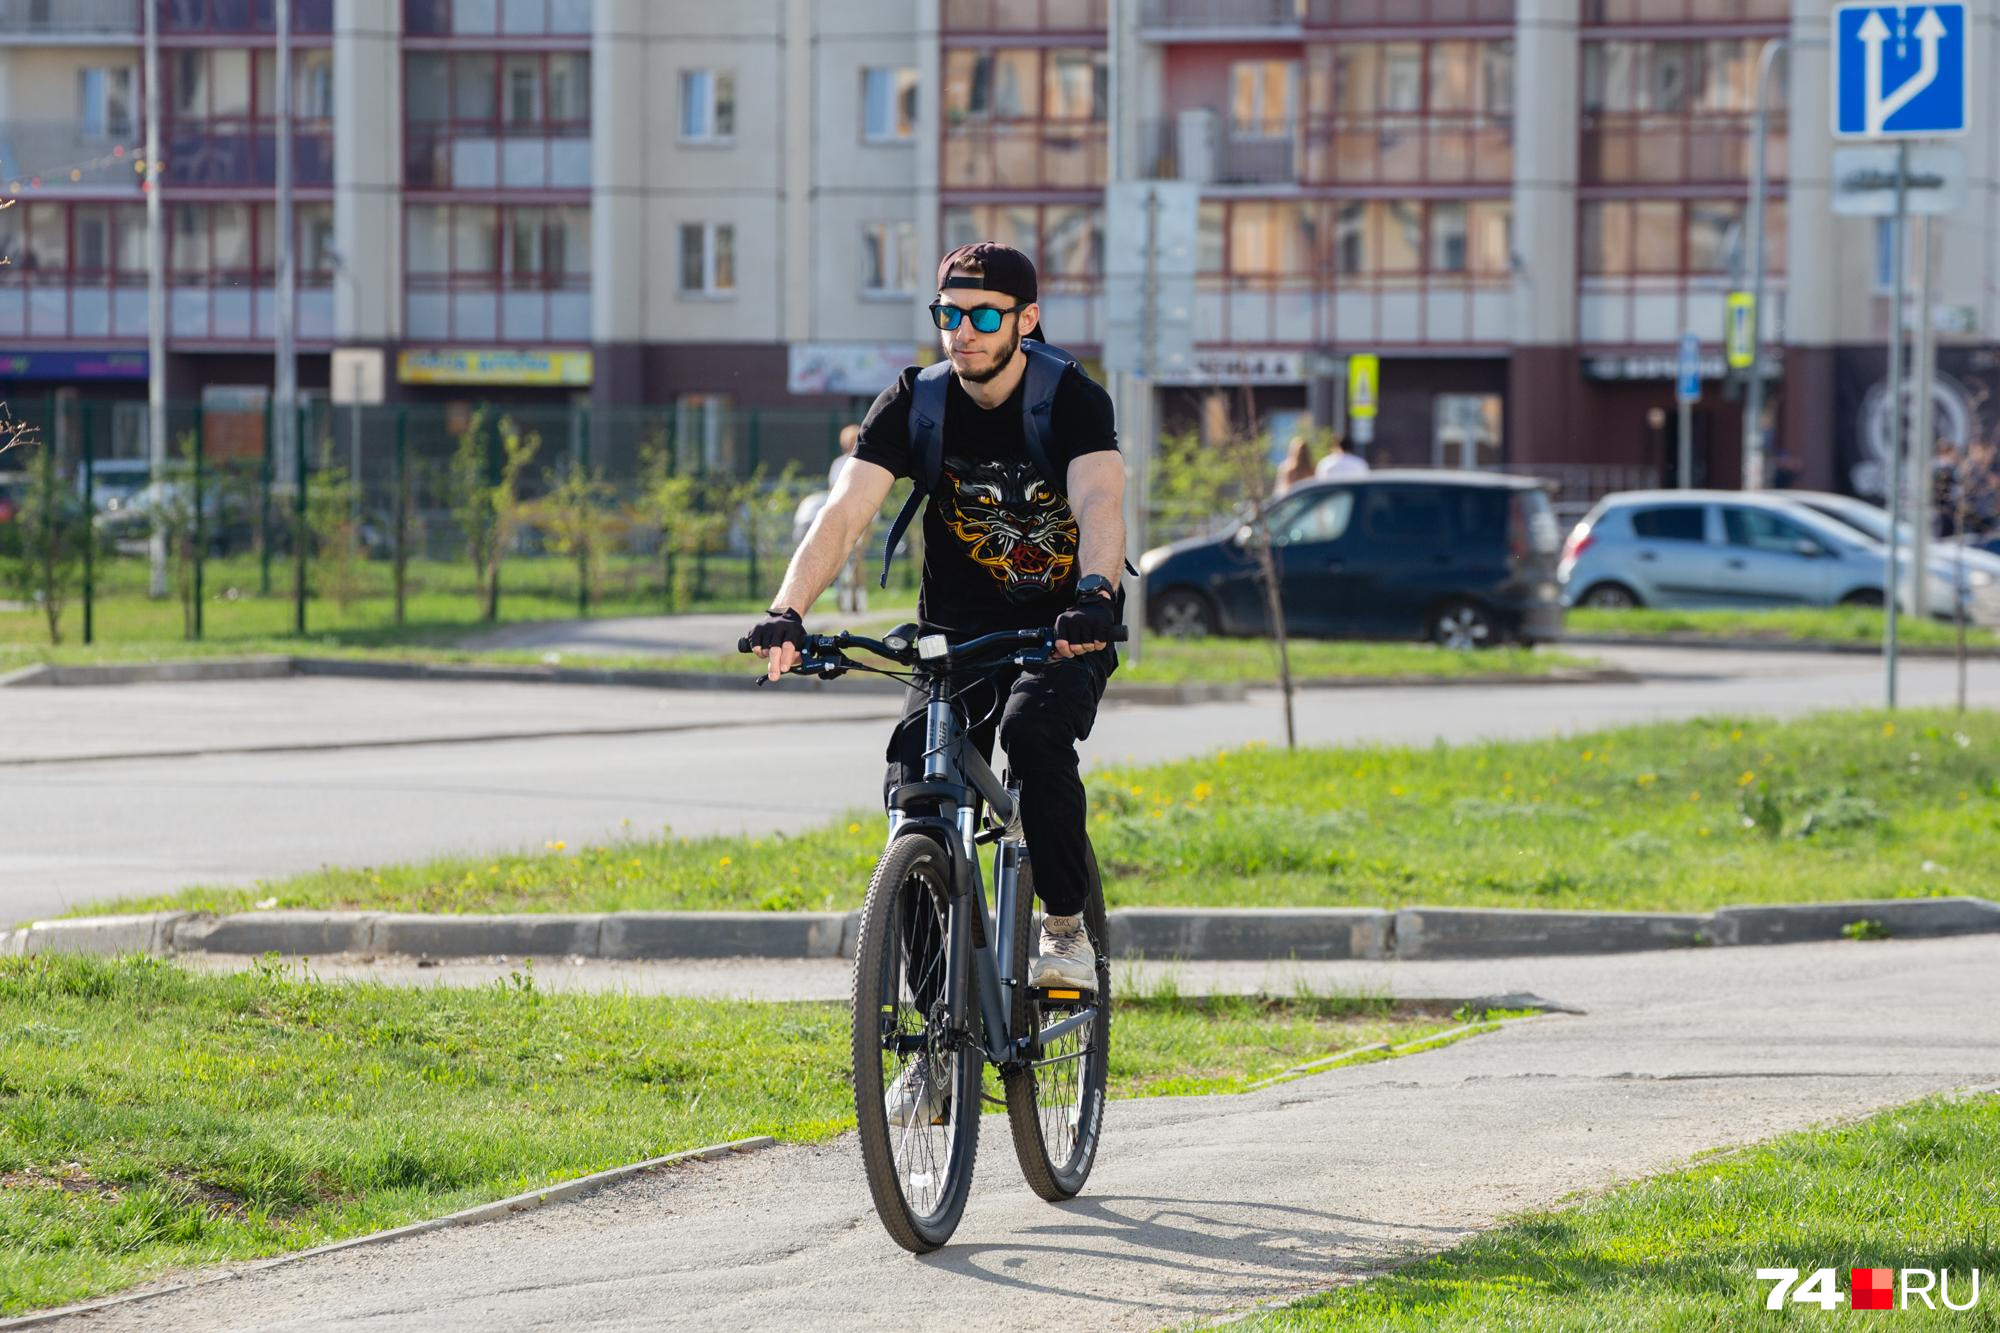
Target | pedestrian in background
(1340,463)
(1298,465)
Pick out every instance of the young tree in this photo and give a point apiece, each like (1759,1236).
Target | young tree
(486,498)
(676,503)
(51,523)
(580,521)
(1211,479)
(334,521)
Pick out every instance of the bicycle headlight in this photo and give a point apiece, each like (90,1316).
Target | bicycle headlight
(933,646)
(895,643)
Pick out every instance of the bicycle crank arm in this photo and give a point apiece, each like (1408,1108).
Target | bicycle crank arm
(1055,1033)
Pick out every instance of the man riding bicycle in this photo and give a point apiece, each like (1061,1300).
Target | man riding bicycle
(1006,546)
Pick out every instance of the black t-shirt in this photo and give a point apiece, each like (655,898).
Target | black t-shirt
(999,541)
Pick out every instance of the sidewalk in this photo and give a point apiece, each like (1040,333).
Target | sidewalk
(1200,1206)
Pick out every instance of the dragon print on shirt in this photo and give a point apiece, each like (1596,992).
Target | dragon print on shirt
(1013,525)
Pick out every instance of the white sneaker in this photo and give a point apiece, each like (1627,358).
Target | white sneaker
(1066,958)
(915,1095)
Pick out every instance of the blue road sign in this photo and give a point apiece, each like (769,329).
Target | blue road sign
(1687,381)
(1901,71)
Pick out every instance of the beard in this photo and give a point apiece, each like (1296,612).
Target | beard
(1000,363)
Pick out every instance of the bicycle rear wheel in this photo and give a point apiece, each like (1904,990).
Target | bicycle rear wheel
(904,1015)
(1055,1103)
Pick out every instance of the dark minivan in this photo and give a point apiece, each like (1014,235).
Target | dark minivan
(1465,559)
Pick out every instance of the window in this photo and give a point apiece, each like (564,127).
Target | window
(522,89)
(888,257)
(486,245)
(1262,98)
(104,102)
(708,258)
(1320,517)
(1448,240)
(1272,239)
(312,84)
(888,105)
(1715,236)
(708,106)
(1762,530)
(1406,515)
(1072,241)
(1077,84)
(1670,523)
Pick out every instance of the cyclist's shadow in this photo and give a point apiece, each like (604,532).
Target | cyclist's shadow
(1239,1249)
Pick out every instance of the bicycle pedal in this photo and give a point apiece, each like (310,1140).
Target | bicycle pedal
(1059,994)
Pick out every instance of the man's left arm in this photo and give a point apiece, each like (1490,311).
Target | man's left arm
(1097,499)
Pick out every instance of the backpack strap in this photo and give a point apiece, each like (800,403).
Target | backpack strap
(1046,368)
(927,396)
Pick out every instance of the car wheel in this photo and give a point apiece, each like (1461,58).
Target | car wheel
(1609,597)
(1463,626)
(1183,614)
(1863,597)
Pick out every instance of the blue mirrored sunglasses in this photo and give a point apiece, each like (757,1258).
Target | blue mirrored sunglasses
(985,318)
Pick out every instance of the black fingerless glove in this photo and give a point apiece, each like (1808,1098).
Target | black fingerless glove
(777,628)
(1091,620)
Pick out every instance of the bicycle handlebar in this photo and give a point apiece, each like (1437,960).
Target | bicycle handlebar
(828,651)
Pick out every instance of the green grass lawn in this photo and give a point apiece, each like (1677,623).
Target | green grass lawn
(1913,1188)
(1805,624)
(440,607)
(154,1118)
(1673,816)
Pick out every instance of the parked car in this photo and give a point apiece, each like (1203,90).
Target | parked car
(1727,549)
(1872,521)
(1466,559)
(13,485)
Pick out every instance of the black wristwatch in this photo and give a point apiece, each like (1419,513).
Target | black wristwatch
(1095,585)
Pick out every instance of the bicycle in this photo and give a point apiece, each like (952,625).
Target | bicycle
(965,1007)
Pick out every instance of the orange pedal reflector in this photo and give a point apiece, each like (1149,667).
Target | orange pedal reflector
(1063,994)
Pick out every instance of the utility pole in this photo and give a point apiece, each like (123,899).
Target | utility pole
(1754,464)
(156,311)
(285,381)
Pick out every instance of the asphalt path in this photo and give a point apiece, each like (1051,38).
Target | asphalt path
(1201,1206)
(227,803)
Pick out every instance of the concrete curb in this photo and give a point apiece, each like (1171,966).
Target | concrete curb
(280,667)
(1249,934)
(486,1212)
(1975,649)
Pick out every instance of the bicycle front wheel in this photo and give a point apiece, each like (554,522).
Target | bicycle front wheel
(917,1062)
(1055,1101)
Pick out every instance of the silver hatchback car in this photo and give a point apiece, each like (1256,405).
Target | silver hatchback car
(1725,549)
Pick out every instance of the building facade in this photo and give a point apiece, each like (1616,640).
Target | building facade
(1520,205)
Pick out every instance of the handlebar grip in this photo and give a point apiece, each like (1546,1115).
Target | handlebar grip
(743,645)
(1118,634)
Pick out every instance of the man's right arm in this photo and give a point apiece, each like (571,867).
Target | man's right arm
(845,518)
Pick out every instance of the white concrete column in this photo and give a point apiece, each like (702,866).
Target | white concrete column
(1547,69)
(930,147)
(368,169)
(1812,298)
(797,41)
(621,253)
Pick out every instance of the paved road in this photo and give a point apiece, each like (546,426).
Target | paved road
(1204,1205)
(89,830)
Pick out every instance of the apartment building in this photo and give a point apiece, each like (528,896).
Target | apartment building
(1520,205)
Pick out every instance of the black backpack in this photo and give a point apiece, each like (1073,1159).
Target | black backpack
(1046,367)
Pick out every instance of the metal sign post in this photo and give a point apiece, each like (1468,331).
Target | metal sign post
(1900,72)
(1687,392)
(1892,594)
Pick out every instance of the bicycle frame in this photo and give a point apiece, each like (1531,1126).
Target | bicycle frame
(957,779)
